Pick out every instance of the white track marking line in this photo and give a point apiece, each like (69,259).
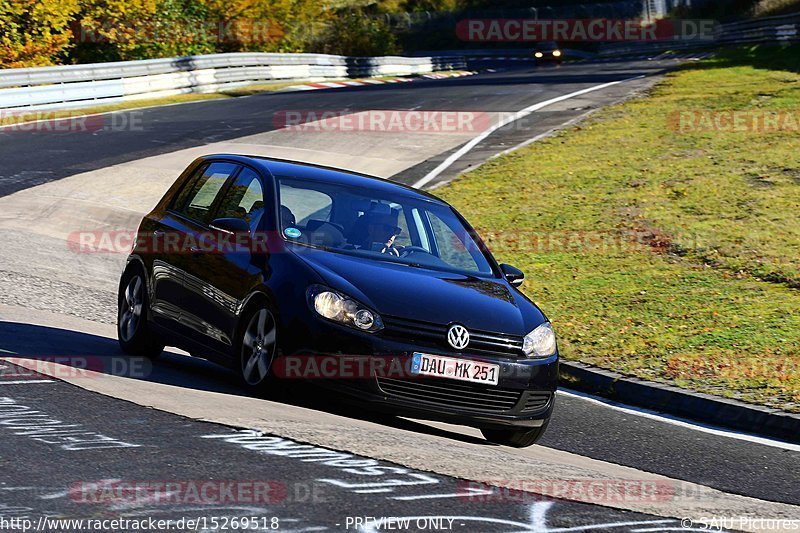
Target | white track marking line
(681,422)
(444,165)
(26,381)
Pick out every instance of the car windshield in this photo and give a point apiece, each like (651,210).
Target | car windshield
(378,225)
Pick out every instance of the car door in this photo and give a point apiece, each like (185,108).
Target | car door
(219,278)
(173,238)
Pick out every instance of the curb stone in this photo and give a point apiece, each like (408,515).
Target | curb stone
(695,406)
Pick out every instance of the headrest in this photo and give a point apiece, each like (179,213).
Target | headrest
(372,206)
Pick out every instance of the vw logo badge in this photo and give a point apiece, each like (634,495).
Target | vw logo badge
(458,336)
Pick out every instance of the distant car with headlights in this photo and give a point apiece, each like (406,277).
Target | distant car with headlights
(548,51)
(284,270)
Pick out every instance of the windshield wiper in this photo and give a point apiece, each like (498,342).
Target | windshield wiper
(398,262)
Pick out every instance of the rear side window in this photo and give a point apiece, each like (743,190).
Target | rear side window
(244,199)
(197,203)
(186,189)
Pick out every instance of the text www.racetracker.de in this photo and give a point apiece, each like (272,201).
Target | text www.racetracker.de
(47,523)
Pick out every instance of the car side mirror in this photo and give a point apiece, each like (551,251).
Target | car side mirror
(514,275)
(231,225)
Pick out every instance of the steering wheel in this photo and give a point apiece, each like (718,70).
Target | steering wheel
(408,250)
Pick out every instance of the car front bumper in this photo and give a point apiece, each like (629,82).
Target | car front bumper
(372,370)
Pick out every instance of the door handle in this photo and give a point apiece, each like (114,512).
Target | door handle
(196,249)
(159,233)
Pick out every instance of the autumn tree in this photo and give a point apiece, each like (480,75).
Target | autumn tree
(35,32)
(357,34)
(142,29)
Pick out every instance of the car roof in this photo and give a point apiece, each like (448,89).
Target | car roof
(311,171)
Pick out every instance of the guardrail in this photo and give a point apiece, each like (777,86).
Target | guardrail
(618,49)
(766,30)
(777,29)
(107,83)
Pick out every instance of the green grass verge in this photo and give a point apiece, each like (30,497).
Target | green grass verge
(661,253)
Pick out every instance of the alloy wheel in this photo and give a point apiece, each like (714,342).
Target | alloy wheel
(130,308)
(258,347)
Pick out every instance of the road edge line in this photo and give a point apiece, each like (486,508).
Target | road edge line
(458,154)
(693,406)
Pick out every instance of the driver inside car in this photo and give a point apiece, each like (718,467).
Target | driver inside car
(377,233)
(383,237)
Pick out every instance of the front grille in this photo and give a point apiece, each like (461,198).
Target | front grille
(536,401)
(453,394)
(426,333)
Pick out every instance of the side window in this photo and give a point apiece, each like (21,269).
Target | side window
(197,203)
(303,205)
(186,190)
(244,199)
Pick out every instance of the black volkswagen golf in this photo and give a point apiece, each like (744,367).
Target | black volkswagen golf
(288,270)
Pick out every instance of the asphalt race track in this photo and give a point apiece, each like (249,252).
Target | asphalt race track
(308,461)
(307,492)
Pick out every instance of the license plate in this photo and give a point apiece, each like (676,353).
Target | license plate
(448,367)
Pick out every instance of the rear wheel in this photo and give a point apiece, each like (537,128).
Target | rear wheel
(516,438)
(257,348)
(133,332)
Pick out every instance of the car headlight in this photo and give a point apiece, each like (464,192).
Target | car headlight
(538,54)
(556,53)
(540,342)
(340,308)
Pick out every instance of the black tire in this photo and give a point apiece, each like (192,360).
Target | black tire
(257,347)
(516,438)
(135,337)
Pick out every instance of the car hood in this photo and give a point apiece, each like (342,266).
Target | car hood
(398,290)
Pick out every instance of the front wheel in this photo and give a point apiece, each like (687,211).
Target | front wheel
(133,333)
(257,348)
(516,438)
